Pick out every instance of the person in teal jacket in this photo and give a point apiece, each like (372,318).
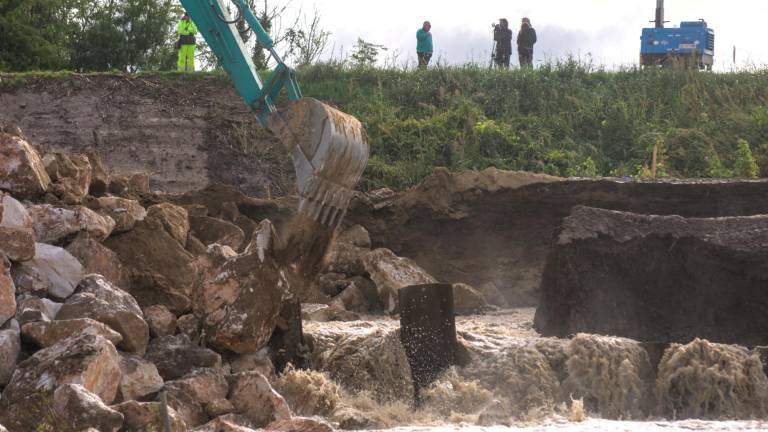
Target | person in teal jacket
(424,44)
(186,30)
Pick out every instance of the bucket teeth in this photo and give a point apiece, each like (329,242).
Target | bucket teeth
(325,203)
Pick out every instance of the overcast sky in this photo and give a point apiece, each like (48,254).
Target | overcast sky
(606,30)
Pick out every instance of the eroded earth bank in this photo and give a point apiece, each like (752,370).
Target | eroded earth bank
(583,304)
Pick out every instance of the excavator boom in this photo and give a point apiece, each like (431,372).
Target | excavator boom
(329,148)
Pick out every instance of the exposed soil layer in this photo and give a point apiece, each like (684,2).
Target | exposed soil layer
(496,226)
(657,278)
(481,228)
(184,133)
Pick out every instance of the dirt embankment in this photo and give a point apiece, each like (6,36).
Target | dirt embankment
(490,227)
(186,133)
(496,226)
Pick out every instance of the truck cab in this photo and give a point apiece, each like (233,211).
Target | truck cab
(692,44)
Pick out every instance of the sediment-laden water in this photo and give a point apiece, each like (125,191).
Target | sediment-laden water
(518,380)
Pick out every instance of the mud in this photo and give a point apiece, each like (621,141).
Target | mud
(495,227)
(185,134)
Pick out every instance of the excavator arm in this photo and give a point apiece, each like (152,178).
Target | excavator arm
(329,148)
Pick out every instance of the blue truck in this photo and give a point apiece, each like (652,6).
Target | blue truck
(691,44)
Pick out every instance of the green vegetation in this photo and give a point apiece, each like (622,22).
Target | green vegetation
(87,35)
(565,119)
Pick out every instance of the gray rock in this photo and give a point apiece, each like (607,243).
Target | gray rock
(7,291)
(17,234)
(57,225)
(254,398)
(139,378)
(48,333)
(145,417)
(89,360)
(176,356)
(10,347)
(33,308)
(21,170)
(391,273)
(96,298)
(98,259)
(80,409)
(192,394)
(52,272)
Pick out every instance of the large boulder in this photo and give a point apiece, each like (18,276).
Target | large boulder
(370,360)
(21,170)
(53,272)
(17,233)
(194,394)
(97,258)
(255,399)
(125,212)
(173,218)
(58,225)
(7,291)
(10,348)
(176,356)
(31,309)
(392,273)
(359,295)
(145,417)
(211,230)
(76,408)
(99,175)
(244,297)
(228,423)
(657,278)
(347,259)
(355,235)
(160,270)
(88,360)
(98,299)
(161,321)
(259,361)
(71,407)
(139,378)
(467,300)
(299,424)
(70,174)
(47,333)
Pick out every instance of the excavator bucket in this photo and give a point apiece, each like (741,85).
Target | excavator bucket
(329,151)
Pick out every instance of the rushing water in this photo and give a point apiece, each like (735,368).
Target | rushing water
(518,380)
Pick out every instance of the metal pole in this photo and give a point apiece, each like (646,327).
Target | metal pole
(659,13)
(165,417)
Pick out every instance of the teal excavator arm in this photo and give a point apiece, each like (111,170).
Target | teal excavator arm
(329,148)
(218,28)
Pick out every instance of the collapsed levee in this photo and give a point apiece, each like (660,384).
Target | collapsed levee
(657,278)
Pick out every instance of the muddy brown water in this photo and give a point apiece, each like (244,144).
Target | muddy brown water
(519,380)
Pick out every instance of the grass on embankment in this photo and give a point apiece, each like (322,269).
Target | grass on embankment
(566,119)
(563,119)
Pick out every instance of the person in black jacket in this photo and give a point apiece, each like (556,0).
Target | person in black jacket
(503,37)
(525,41)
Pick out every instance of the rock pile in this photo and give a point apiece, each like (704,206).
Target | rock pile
(111,294)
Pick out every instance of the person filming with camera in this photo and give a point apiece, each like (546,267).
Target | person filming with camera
(525,41)
(502,36)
